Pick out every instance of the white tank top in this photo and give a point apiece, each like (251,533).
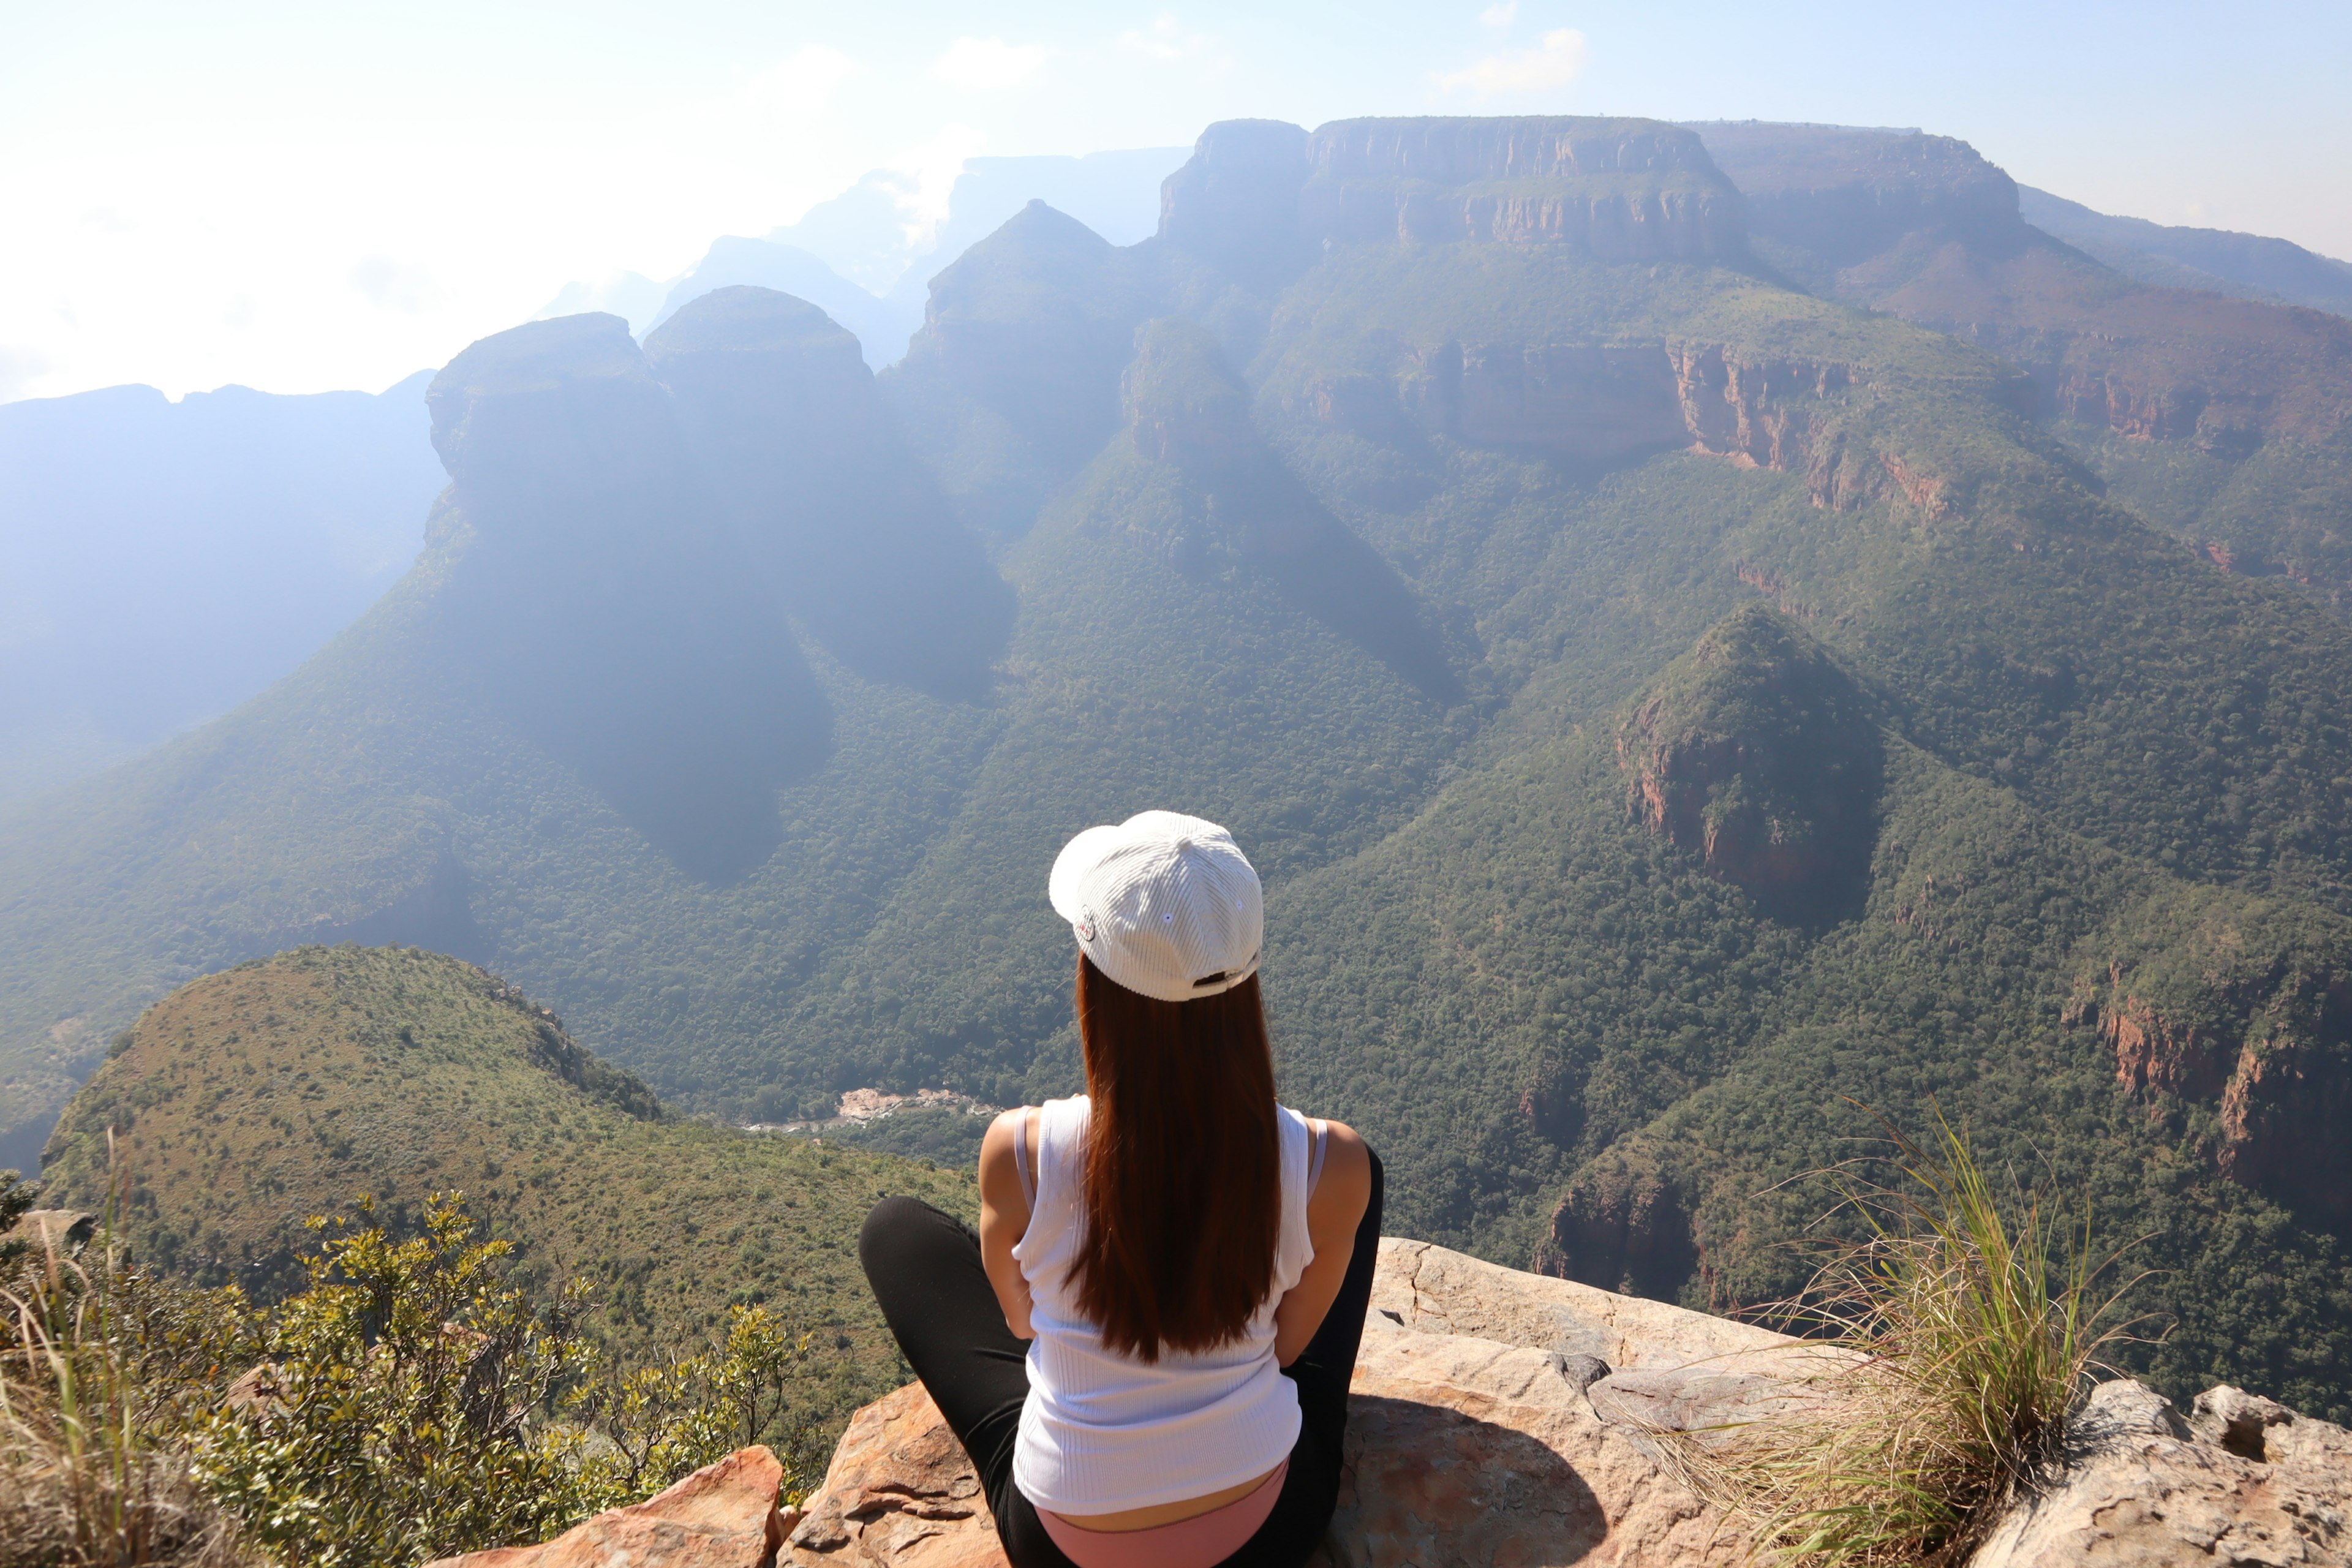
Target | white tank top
(1102,1432)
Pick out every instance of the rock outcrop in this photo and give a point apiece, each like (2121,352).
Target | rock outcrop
(1757,753)
(1471,1435)
(2243,1481)
(722,1516)
(1498,1417)
(2217,1002)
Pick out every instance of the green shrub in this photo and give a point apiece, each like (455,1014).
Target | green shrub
(408,1403)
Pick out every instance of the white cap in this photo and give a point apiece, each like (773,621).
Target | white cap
(1164,904)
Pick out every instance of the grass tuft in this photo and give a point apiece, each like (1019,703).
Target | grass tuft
(1969,1334)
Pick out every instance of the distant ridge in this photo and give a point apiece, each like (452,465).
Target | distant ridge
(2247,265)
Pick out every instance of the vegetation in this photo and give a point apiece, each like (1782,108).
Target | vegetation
(331,1076)
(1963,1335)
(407,1403)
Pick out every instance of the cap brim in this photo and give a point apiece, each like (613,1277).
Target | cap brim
(1078,857)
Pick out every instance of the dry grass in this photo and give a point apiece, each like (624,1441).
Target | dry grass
(1971,1335)
(84,1482)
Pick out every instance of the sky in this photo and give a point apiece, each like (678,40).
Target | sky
(338,193)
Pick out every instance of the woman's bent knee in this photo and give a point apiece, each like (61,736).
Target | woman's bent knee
(893,1226)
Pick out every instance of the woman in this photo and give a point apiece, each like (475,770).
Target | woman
(1188,1261)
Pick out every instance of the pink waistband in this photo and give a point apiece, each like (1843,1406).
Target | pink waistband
(1196,1542)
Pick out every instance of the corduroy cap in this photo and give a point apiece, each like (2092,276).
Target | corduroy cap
(1164,904)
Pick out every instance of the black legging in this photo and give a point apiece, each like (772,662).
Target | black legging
(926,1271)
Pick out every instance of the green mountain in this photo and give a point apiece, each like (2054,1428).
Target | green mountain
(247,1100)
(1670,683)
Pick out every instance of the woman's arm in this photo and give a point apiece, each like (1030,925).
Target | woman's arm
(1004,1215)
(1334,1209)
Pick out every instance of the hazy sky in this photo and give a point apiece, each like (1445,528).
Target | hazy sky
(338,192)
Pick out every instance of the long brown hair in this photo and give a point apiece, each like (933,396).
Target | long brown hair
(1183,1166)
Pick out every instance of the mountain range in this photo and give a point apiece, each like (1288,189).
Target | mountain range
(1711,635)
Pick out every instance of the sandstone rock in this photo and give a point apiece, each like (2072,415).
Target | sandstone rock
(2141,1490)
(900,1489)
(1486,1424)
(722,1516)
(1470,1435)
(1427,1288)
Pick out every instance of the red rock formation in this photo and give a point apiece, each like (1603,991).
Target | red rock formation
(2266,1046)
(1622,1226)
(722,1516)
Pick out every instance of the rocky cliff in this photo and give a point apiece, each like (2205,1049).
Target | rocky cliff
(2239,1024)
(1925,228)
(1261,199)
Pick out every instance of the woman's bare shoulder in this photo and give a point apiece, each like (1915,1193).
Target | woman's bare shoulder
(1347,1185)
(996,1143)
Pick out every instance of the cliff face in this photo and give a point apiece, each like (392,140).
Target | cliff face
(1621,1224)
(1622,190)
(1261,199)
(1756,753)
(1597,404)
(1837,196)
(2224,1017)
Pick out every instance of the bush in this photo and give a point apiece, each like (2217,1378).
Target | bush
(406,1404)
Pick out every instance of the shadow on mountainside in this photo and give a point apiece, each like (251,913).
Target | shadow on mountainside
(1246,508)
(602,606)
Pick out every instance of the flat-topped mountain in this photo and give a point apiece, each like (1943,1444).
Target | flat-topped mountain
(1671,696)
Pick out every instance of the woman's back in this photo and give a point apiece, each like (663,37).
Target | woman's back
(1102,1430)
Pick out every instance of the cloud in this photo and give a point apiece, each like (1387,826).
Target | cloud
(801,83)
(389,285)
(1554,62)
(985,65)
(1501,14)
(928,172)
(1165,40)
